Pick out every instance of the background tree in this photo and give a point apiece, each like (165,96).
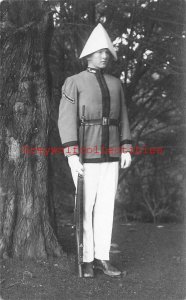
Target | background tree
(24,119)
(149,37)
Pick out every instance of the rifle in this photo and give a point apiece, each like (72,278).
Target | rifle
(79,201)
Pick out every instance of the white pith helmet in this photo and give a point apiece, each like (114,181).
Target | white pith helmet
(98,40)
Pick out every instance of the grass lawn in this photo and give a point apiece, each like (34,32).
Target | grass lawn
(152,255)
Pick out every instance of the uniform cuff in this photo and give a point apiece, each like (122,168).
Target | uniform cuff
(126,142)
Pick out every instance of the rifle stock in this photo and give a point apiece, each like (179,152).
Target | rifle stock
(79,202)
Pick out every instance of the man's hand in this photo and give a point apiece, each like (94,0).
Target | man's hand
(125,160)
(75,164)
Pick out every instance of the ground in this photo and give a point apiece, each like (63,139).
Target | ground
(152,255)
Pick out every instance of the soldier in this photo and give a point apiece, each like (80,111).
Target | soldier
(106,131)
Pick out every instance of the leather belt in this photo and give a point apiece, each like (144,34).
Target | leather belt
(104,121)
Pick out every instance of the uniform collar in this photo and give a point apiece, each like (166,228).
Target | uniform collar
(94,71)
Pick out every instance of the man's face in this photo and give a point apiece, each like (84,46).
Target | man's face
(99,59)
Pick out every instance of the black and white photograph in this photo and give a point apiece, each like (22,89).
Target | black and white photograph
(93,150)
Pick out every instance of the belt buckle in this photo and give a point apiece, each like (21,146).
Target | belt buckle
(105,121)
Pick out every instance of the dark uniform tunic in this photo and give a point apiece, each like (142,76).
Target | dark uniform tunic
(106,124)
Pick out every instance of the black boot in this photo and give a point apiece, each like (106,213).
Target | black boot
(106,267)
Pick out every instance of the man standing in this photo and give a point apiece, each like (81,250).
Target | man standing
(107,137)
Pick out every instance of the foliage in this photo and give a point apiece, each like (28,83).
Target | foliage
(149,36)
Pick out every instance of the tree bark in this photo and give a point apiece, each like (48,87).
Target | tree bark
(25,229)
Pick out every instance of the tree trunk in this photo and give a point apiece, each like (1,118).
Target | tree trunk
(24,113)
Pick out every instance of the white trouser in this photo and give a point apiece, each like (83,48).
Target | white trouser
(100,184)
